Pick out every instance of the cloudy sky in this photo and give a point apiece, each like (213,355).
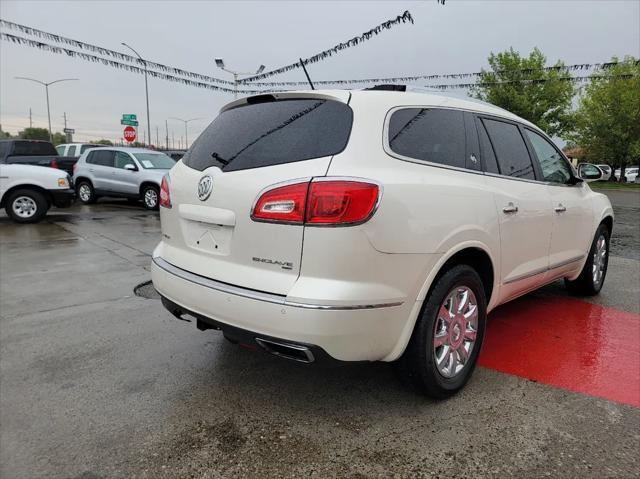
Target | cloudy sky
(456,37)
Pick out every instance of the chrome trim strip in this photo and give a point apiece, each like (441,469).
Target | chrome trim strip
(258,295)
(544,270)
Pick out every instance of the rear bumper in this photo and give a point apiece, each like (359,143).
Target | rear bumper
(346,333)
(63,198)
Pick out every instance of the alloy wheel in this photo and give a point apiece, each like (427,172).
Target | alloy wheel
(455,331)
(599,260)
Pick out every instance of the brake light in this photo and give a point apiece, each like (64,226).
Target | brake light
(284,204)
(165,194)
(332,202)
(54,164)
(340,202)
(75,167)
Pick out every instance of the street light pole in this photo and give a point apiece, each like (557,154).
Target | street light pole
(186,139)
(146,86)
(220,64)
(46,89)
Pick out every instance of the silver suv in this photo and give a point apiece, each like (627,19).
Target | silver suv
(133,173)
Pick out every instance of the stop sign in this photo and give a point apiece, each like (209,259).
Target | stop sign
(130,134)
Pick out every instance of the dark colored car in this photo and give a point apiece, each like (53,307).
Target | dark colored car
(34,152)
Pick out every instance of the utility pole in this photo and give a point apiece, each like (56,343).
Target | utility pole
(157,138)
(173,141)
(46,89)
(166,129)
(146,86)
(186,143)
(30,119)
(220,64)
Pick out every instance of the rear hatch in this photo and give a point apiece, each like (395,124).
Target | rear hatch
(252,145)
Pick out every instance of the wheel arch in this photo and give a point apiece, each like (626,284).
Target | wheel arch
(146,183)
(473,253)
(40,189)
(82,178)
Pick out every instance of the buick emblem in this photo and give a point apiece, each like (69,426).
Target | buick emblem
(205,186)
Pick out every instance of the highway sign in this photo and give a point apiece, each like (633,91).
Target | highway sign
(130,134)
(129,122)
(129,116)
(69,130)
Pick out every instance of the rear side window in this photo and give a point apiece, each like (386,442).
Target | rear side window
(101,157)
(272,133)
(433,135)
(510,149)
(73,150)
(488,155)
(34,148)
(60,150)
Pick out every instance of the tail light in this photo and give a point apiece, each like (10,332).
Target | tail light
(75,167)
(54,164)
(165,194)
(331,202)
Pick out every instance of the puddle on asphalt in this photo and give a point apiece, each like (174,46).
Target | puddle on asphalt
(146,290)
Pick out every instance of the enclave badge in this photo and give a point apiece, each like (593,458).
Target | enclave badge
(205,186)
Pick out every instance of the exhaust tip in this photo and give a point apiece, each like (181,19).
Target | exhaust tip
(294,352)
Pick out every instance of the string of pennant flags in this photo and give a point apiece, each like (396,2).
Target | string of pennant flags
(119,65)
(197,80)
(87,47)
(445,76)
(400,19)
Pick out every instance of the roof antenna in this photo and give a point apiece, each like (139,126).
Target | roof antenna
(306,73)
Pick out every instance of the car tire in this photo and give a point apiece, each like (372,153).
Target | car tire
(151,197)
(27,206)
(434,362)
(86,193)
(592,276)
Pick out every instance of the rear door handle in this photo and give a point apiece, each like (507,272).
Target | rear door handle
(560,208)
(510,208)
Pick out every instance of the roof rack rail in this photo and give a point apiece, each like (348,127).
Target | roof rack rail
(388,87)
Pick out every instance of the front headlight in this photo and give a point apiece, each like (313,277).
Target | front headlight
(63,183)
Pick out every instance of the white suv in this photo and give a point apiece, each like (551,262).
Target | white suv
(372,225)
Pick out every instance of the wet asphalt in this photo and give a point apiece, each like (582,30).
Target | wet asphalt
(96,382)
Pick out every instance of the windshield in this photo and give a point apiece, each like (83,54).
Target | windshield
(154,161)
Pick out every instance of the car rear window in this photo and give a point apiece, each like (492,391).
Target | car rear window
(272,133)
(33,148)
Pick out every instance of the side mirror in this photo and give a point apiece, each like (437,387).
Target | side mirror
(130,167)
(589,172)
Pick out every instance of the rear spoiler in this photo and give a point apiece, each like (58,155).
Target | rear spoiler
(336,95)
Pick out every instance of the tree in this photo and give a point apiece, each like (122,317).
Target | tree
(34,134)
(102,142)
(59,139)
(523,86)
(608,115)
(4,134)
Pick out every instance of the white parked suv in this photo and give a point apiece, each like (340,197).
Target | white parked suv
(372,225)
(28,191)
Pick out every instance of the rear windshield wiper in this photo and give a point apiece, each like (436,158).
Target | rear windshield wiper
(217,157)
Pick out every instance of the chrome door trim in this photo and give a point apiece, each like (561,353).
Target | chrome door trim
(258,295)
(544,270)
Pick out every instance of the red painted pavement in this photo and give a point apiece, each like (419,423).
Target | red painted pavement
(567,343)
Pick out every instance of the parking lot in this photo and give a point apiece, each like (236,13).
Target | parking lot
(97,382)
